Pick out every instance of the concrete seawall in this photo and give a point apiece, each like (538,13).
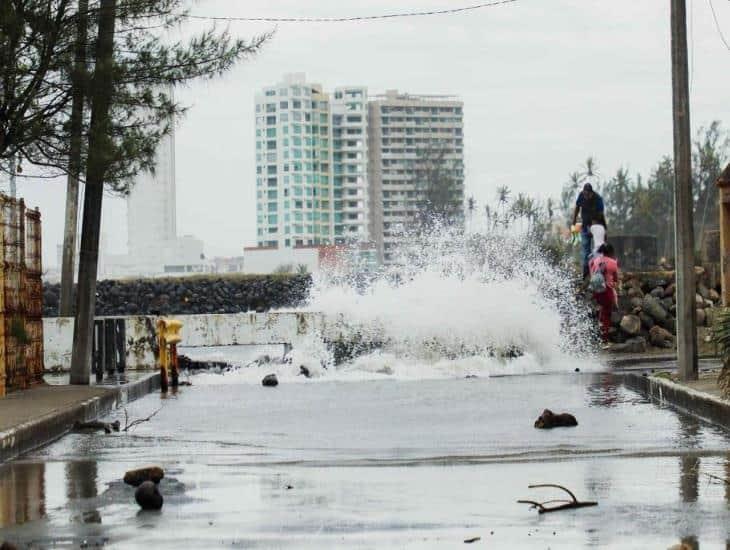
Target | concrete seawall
(198,331)
(36,417)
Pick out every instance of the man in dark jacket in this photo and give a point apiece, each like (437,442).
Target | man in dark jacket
(590,206)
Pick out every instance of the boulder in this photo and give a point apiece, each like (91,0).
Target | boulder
(646,320)
(661,337)
(654,308)
(634,292)
(631,324)
(148,496)
(699,300)
(136,477)
(714,295)
(701,318)
(658,292)
(670,323)
(637,302)
(633,345)
(270,381)
(703,291)
(667,303)
(670,290)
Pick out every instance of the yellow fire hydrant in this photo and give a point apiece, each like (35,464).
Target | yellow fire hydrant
(168,337)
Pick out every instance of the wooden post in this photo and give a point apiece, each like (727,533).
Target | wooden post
(683,202)
(723,183)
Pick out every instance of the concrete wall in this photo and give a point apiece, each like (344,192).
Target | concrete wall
(266,261)
(198,331)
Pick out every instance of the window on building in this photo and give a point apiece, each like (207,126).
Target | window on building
(296,104)
(271,107)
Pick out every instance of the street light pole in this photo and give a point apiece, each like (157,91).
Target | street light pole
(683,202)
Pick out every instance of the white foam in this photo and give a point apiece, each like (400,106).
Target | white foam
(457,304)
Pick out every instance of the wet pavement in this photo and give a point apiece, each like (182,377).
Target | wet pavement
(381,464)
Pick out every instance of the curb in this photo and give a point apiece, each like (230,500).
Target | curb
(41,431)
(634,360)
(695,403)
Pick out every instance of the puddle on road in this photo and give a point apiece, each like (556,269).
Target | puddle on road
(657,486)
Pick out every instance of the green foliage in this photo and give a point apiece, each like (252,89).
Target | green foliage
(721,335)
(37,53)
(302,269)
(284,269)
(532,217)
(438,181)
(721,332)
(635,206)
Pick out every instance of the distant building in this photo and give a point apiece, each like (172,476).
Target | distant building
(344,169)
(407,132)
(351,206)
(154,248)
(309,259)
(293,165)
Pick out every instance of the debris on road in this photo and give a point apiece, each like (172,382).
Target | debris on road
(560,504)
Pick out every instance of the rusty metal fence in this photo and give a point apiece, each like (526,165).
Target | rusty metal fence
(21,296)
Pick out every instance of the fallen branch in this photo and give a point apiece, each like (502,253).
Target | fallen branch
(564,504)
(129,425)
(95,425)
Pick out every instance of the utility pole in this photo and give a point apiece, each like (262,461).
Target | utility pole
(683,203)
(78,80)
(96,168)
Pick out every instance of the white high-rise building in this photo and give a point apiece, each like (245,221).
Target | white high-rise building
(154,247)
(293,165)
(346,168)
(151,205)
(350,164)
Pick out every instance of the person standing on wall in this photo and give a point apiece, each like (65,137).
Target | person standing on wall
(590,206)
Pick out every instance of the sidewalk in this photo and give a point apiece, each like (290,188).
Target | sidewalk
(32,418)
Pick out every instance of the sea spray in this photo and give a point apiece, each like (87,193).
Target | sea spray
(450,295)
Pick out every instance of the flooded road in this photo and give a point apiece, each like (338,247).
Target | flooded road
(381,464)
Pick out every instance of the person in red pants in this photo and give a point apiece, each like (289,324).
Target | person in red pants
(604,261)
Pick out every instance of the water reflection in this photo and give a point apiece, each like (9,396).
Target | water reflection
(22,493)
(689,464)
(604,393)
(81,478)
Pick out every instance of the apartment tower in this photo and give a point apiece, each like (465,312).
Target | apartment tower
(345,169)
(293,165)
(406,134)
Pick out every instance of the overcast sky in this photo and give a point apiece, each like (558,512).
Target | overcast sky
(545,83)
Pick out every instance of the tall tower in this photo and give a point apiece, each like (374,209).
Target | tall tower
(151,214)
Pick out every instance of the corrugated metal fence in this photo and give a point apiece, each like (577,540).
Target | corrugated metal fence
(21,296)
